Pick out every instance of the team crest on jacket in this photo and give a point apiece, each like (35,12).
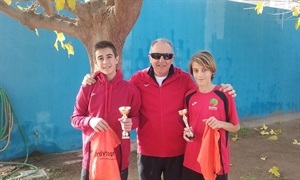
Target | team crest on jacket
(213,104)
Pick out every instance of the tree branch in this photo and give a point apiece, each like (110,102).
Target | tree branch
(82,10)
(34,21)
(48,7)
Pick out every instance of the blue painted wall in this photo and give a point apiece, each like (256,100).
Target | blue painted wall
(42,85)
(253,53)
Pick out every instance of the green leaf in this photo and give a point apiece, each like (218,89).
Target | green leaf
(296,142)
(36,32)
(70,49)
(72,4)
(297,25)
(296,11)
(8,2)
(60,4)
(264,132)
(274,138)
(259,7)
(264,158)
(56,45)
(272,132)
(275,171)
(235,138)
(264,127)
(21,8)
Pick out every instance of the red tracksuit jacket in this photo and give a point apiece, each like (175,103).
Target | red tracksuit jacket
(160,130)
(103,100)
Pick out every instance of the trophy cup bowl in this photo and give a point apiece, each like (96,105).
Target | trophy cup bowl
(185,120)
(124,110)
(182,112)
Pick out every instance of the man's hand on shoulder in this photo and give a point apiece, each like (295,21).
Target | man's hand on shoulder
(228,88)
(88,80)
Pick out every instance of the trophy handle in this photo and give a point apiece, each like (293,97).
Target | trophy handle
(125,134)
(191,134)
(186,123)
(124,110)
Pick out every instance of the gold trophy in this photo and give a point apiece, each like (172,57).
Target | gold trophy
(124,110)
(185,120)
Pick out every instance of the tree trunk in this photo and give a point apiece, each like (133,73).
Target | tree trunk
(93,35)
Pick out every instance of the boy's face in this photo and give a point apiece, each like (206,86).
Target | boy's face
(201,74)
(106,62)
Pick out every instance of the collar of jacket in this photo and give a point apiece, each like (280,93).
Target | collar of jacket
(152,75)
(99,76)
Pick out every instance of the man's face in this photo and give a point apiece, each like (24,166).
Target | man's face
(106,62)
(161,63)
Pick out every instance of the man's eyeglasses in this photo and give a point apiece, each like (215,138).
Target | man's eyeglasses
(157,56)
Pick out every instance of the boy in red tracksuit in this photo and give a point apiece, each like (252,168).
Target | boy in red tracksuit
(211,114)
(97,107)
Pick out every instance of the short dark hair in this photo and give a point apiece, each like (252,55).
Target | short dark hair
(105,44)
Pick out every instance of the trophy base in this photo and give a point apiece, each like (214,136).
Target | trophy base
(125,135)
(191,137)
